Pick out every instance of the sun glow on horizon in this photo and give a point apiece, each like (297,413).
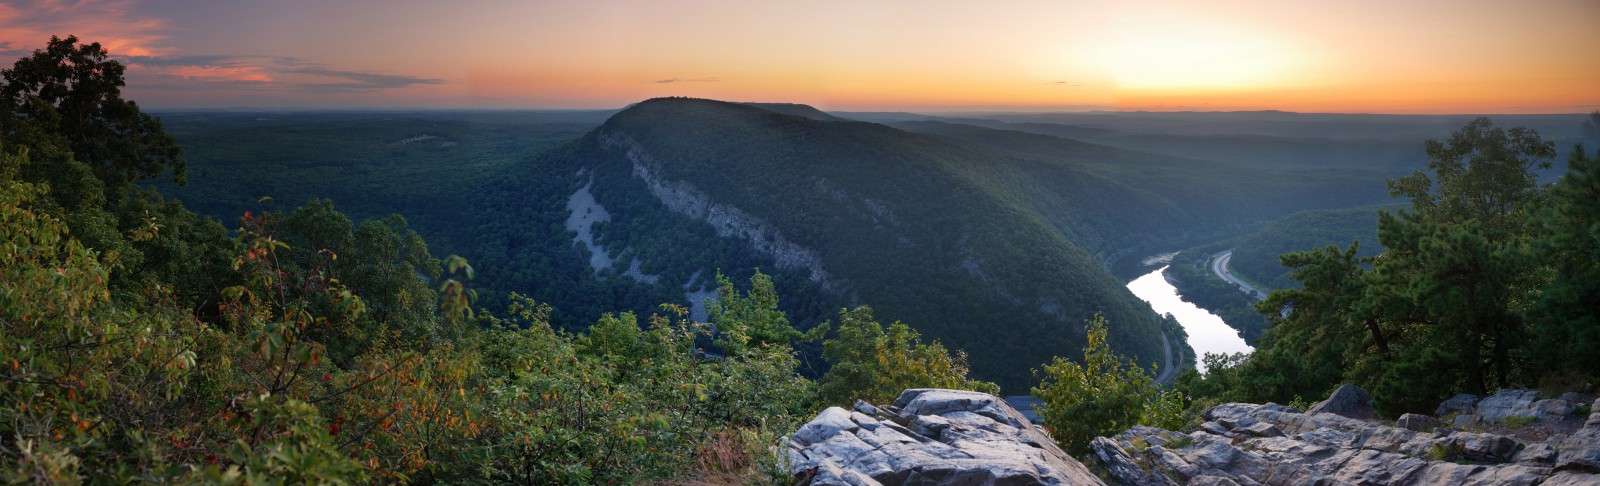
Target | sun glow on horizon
(1375,56)
(1175,54)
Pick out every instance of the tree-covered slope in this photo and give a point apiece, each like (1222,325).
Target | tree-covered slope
(945,237)
(1255,256)
(425,165)
(1171,202)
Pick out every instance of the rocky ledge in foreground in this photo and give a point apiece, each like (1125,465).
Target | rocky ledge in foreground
(930,436)
(1246,444)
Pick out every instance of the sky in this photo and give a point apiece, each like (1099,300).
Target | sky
(1352,56)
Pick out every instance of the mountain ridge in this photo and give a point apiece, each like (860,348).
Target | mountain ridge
(846,205)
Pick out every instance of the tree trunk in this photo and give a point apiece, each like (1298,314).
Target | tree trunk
(1377,336)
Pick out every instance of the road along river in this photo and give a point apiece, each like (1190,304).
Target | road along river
(1207,332)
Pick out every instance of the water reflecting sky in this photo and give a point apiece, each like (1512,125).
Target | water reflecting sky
(1207,332)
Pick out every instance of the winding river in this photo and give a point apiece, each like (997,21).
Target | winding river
(1207,333)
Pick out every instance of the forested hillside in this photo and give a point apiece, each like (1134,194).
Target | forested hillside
(939,235)
(426,165)
(1167,202)
(1255,255)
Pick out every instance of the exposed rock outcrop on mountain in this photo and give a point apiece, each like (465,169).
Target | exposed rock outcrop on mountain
(930,436)
(1245,444)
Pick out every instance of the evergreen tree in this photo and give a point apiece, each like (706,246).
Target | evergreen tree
(1566,316)
(1457,264)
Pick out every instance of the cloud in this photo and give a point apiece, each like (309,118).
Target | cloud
(141,43)
(264,72)
(1074,84)
(360,81)
(25,25)
(10,50)
(685,80)
(224,73)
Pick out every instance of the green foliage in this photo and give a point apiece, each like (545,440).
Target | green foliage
(752,319)
(1520,421)
(1450,451)
(1168,410)
(110,388)
(873,364)
(1102,396)
(1565,315)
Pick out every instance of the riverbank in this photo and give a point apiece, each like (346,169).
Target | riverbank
(1192,273)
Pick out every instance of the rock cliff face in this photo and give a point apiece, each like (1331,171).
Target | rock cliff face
(930,436)
(682,198)
(1245,444)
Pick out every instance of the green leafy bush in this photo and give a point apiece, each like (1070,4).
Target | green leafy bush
(873,364)
(1103,396)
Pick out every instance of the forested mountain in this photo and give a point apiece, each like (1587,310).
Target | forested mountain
(950,238)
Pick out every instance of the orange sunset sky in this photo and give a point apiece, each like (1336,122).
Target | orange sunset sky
(1390,56)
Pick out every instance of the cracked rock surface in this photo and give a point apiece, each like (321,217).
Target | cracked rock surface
(1248,444)
(930,436)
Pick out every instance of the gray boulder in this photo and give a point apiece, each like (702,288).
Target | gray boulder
(1508,403)
(1576,398)
(1461,404)
(1553,409)
(1417,422)
(1581,450)
(1348,400)
(930,436)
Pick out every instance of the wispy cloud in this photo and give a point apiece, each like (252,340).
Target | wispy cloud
(686,80)
(1073,84)
(360,81)
(140,42)
(26,24)
(264,72)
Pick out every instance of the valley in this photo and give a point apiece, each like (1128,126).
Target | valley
(1030,231)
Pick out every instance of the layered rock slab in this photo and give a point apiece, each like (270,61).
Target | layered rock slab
(1248,444)
(930,436)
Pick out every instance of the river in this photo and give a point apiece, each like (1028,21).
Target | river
(1207,332)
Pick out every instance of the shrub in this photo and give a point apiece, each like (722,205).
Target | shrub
(1103,396)
(874,364)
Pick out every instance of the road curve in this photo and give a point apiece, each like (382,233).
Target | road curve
(1219,266)
(1169,369)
